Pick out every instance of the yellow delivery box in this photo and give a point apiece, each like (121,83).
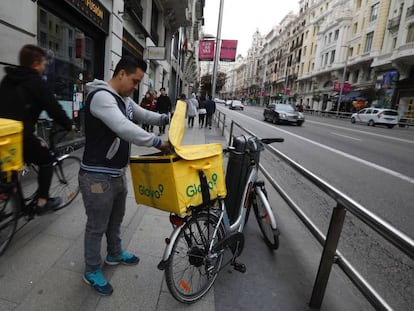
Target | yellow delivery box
(171,182)
(11,145)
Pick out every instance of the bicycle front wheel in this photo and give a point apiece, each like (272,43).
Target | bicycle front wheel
(65,182)
(192,269)
(263,217)
(9,209)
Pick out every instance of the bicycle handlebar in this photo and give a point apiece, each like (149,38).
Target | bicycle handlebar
(272,140)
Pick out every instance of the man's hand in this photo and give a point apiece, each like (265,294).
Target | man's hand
(164,119)
(165,147)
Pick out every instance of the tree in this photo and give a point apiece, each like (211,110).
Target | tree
(206,83)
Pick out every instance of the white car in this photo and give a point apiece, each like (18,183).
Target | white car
(374,116)
(236,104)
(219,101)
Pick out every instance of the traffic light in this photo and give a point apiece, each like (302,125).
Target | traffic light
(279,96)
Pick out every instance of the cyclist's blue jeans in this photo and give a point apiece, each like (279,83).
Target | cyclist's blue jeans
(104,198)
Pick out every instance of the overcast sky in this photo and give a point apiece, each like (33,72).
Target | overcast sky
(241,18)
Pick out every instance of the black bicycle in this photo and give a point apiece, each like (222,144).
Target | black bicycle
(18,193)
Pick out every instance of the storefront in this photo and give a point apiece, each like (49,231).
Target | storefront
(74,34)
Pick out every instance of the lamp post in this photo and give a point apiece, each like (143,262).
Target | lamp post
(217,49)
(343,80)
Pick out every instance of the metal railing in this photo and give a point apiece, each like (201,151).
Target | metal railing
(330,254)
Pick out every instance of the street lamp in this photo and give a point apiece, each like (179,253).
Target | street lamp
(343,80)
(216,54)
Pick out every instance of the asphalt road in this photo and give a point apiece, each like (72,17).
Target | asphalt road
(372,165)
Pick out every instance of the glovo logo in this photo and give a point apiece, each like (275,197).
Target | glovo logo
(151,193)
(195,189)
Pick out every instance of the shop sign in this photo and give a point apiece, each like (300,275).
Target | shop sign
(131,44)
(94,11)
(154,53)
(337,87)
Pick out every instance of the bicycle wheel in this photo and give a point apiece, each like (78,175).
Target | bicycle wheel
(65,180)
(270,235)
(9,212)
(191,269)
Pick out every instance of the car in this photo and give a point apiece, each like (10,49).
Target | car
(376,116)
(236,104)
(219,101)
(283,113)
(228,102)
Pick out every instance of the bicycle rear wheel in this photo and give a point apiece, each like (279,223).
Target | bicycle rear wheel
(269,230)
(65,182)
(9,212)
(191,269)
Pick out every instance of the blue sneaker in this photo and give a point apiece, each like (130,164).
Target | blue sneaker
(97,280)
(125,258)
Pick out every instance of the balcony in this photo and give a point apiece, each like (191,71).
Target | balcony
(394,23)
(174,12)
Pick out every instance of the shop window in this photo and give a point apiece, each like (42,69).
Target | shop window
(65,41)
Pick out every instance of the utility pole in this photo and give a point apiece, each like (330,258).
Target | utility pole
(343,80)
(217,50)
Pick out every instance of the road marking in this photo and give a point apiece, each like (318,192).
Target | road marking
(337,134)
(346,155)
(362,132)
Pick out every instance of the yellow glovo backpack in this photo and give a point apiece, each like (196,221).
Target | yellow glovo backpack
(171,182)
(11,147)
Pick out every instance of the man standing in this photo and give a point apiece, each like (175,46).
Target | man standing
(110,127)
(163,106)
(24,95)
(211,109)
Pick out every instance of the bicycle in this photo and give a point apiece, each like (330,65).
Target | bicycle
(208,239)
(18,194)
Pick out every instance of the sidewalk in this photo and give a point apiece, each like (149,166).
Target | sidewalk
(42,268)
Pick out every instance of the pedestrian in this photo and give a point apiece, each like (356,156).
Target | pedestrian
(163,106)
(202,112)
(110,116)
(24,95)
(148,103)
(192,105)
(211,109)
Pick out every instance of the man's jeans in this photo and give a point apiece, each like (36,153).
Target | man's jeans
(104,198)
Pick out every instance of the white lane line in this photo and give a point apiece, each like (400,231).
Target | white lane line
(361,132)
(346,155)
(337,134)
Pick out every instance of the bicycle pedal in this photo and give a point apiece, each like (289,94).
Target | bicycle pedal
(238,266)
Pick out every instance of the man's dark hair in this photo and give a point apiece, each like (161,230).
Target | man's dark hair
(31,53)
(130,64)
(182,96)
(162,89)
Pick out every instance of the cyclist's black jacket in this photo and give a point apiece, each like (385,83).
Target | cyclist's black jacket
(103,147)
(24,95)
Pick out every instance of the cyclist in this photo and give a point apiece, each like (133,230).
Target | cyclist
(24,95)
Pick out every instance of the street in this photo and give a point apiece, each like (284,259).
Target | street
(372,165)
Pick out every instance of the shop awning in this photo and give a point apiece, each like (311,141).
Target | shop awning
(348,97)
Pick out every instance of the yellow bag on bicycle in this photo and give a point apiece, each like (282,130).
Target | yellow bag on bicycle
(171,182)
(11,145)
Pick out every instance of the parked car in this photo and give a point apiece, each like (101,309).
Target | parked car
(236,104)
(283,113)
(228,102)
(376,116)
(219,101)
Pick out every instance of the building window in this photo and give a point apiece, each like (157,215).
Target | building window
(368,42)
(336,34)
(332,57)
(43,17)
(374,13)
(410,33)
(355,27)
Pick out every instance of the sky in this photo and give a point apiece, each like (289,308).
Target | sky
(241,18)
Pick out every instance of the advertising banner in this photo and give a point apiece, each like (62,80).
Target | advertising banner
(206,50)
(228,50)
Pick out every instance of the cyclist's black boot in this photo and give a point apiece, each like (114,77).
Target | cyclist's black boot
(51,205)
(238,266)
